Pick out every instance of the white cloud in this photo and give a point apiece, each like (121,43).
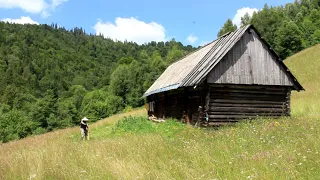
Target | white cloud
(56,3)
(31,6)
(43,7)
(131,29)
(192,39)
(241,12)
(22,20)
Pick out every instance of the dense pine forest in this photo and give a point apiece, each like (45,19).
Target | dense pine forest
(50,77)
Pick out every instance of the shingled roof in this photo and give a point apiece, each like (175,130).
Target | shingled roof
(193,69)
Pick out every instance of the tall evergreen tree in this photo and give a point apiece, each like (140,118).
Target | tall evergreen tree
(245,20)
(227,27)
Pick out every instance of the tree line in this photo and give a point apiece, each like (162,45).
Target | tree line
(288,29)
(51,77)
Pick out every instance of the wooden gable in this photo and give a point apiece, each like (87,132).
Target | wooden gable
(250,61)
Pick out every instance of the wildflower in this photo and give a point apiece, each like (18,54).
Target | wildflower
(309,151)
(32,176)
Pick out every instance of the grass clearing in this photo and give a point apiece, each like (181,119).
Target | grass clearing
(264,149)
(133,148)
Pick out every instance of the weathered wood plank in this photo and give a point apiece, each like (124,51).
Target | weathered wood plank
(288,102)
(247,91)
(246,109)
(246,113)
(270,96)
(245,101)
(247,98)
(240,86)
(217,117)
(248,105)
(257,65)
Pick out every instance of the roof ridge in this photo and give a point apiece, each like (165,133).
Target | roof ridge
(223,41)
(192,52)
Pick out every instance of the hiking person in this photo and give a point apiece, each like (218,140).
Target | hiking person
(84,128)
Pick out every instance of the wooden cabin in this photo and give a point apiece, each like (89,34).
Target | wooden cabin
(238,76)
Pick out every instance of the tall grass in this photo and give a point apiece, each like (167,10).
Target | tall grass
(306,67)
(264,149)
(127,146)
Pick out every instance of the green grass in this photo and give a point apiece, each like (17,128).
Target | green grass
(127,146)
(306,67)
(264,149)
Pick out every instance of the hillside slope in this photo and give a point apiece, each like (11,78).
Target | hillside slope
(306,67)
(285,148)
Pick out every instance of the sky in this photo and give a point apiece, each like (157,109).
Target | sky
(192,22)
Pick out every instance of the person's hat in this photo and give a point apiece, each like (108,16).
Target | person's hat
(85,119)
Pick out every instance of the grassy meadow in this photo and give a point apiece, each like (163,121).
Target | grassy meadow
(134,148)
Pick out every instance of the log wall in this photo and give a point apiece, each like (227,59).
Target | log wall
(231,103)
(223,103)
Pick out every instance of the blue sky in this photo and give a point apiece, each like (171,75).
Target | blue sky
(192,22)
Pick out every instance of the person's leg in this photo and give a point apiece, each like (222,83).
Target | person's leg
(86,134)
(82,134)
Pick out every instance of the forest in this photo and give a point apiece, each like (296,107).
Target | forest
(288,29)
(51,77)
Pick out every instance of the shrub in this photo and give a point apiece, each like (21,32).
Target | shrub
(137,125)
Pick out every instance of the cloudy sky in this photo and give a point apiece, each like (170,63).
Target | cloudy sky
(193,22)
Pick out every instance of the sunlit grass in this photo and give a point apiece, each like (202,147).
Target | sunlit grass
(306,67)
(265,149)
(286,148)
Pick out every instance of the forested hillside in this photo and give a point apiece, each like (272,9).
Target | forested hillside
(288,29)
(50,76)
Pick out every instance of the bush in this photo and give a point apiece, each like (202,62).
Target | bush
(100,104)
(14,125)
(140,125)
(127,109)
(133,125)
(39,131)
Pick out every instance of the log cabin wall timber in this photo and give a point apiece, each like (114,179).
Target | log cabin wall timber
(231,103)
